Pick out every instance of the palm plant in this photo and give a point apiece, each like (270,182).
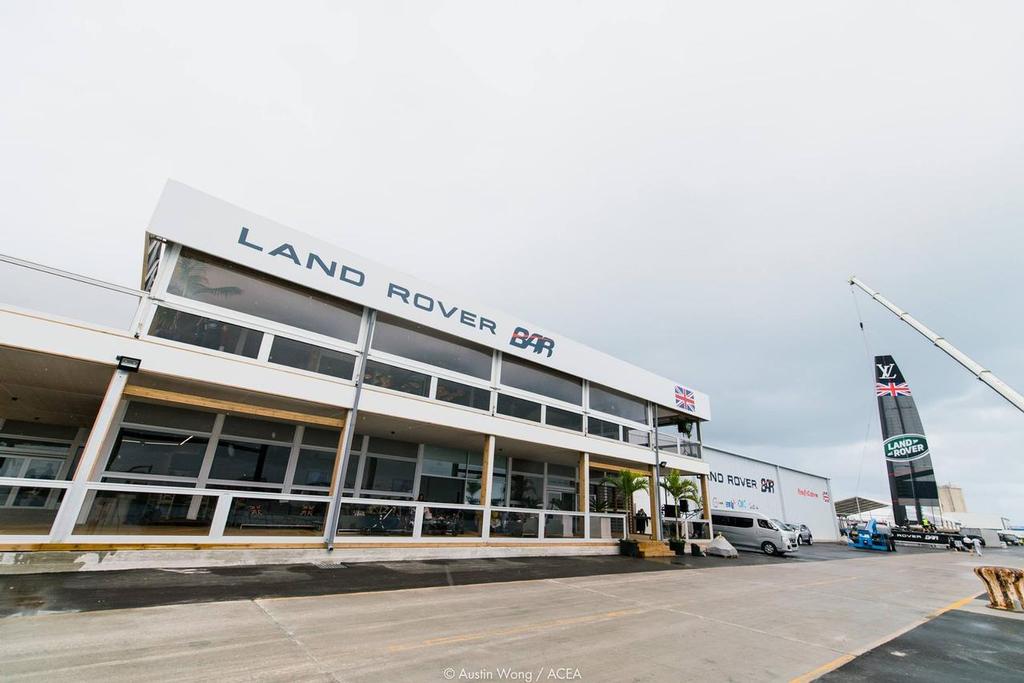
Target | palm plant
(190,281)
(681,488)
(627,483)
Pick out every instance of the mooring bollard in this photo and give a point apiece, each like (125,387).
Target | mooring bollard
(1002,583)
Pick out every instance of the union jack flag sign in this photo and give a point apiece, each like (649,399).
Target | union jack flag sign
(685,398)
(892,389)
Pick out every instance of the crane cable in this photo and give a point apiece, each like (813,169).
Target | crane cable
(870,417)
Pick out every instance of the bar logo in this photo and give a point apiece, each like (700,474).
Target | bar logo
(522,339)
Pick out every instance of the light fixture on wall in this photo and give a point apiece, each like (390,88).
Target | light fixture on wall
(129,364)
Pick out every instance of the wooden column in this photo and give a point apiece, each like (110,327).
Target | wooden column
(705,498)
(655,520)
(583,483)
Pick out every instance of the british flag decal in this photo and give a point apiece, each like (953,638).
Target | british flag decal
(685,398)
(892,389)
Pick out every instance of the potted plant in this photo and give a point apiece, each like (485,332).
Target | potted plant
(626,483)
(680,488)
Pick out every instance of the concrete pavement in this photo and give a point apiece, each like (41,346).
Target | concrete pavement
(771,621)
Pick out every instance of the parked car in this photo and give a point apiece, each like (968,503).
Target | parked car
(803,534)
(754,530)
(1010,539)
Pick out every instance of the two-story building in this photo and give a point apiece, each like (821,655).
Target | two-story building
(263,388)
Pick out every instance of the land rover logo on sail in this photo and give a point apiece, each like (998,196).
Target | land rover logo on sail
(906,447)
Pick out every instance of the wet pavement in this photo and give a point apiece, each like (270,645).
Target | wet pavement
(26,594)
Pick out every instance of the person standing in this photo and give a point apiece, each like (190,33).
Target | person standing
(641,521)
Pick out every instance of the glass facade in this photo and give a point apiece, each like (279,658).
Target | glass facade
(527,376)
(397,379)
(519,407)
(616,403)
(296,354)
(226,285)
(463,394)
(420,343)
(208,333)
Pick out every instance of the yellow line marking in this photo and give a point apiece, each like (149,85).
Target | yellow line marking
(955,605)
(839,661)
(823,669)
(827,581)
(481,635)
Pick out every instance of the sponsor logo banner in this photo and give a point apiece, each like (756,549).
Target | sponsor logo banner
(905,447)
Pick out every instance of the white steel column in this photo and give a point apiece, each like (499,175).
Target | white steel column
(487,486)
(206,465)
(103,426)
(584,485)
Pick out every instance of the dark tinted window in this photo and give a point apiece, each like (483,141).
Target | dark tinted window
(296,354)
(250,462)
(556,417)
(258,429)
(617,403)
(206,332)
(144,452)
(517,407)
(397,379)
(224,284)
(169,416)
(418,342)
(530,377)
(314,468)
(463,394)
(608,430)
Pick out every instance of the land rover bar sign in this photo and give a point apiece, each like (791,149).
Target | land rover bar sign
(907,458)
(906,447)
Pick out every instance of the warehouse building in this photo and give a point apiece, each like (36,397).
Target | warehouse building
(217,405)
(739,482)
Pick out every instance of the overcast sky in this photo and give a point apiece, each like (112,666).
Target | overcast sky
(685,186)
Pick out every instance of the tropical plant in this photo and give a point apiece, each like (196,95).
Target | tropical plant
(191,282)
(681,488)
(627,482)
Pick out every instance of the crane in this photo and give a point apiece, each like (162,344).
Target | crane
(986,376)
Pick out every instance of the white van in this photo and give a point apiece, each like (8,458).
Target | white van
(754,530)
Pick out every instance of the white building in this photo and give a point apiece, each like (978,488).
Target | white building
(739,482)
(217,405)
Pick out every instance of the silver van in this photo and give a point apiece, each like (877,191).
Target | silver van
(754,530)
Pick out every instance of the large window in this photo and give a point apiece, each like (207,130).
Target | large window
(529,377)
(396,379)
(244,454)
(518,407)
(219,283)
(205,332)
(450,475)
(463,394)
(160,442)
(616,403)
(296,354)
(138,451)
(421,343)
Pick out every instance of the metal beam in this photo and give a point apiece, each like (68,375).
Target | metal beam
(986,376)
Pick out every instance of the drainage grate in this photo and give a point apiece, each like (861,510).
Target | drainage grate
(330,565)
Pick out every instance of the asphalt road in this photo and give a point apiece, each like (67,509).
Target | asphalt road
(593,619)
(26,594)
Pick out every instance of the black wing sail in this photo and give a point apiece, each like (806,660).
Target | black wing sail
(907,459)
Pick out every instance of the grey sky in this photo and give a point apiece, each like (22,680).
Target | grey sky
(683,186)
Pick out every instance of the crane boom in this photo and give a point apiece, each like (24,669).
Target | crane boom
(986,376)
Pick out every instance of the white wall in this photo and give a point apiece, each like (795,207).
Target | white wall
(741,483)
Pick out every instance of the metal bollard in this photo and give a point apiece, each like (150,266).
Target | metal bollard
(1002,583)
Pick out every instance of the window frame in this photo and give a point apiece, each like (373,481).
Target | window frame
(162,295)
(503,388)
